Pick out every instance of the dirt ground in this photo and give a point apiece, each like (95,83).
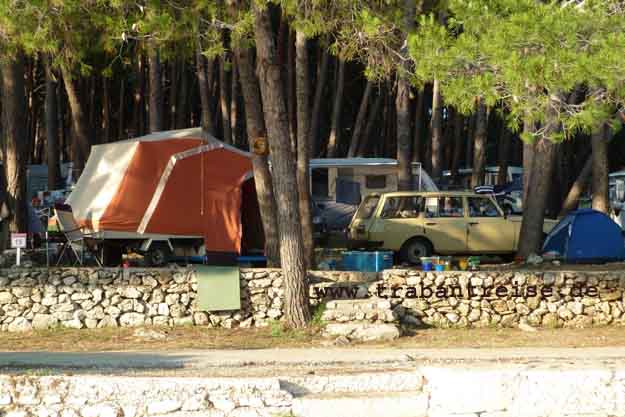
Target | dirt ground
(183,338)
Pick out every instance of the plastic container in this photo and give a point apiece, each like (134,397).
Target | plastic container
(446,262)
(367,261)
(474,263)
(439,267)
(463,264)
(427,264)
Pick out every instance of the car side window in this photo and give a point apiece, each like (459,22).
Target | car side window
(401,208)
(482,207)
(444,207)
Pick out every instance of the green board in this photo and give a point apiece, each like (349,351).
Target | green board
(218,288)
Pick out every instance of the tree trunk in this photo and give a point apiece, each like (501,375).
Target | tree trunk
(417,147)
(182,108)
(234,95)
(303,145)
(138,97)
(387,146)
(106,110)
(91,86)
(448,137)
(14,141)
(255,125)
(284,174)
(365,142)
(402,106)
(479,145)
(174,66)
(52,127)
(318,102)
(79,130)
(529,151)
(204,71)
(32,110)
(360,121)
(290,91)
(121,111)
(505,141)
(60,105)
(335,130)
(471,121)
(577,189)
(156,91)
(436,131)
(458,143)
(531,233)
(224,100)
(600,171)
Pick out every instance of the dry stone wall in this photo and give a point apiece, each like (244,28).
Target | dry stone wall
(480,299)
(93,298)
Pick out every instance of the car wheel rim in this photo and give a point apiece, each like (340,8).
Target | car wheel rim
(417,253)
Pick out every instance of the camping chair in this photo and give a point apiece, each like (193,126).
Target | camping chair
(75,239)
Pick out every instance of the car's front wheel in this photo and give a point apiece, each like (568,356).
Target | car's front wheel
(413,250)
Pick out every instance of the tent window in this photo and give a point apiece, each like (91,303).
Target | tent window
(374,182)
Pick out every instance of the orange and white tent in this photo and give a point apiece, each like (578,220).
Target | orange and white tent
(180,183)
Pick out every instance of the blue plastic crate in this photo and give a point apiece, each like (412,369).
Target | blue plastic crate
(366,261)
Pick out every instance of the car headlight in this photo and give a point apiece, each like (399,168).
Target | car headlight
(317,220)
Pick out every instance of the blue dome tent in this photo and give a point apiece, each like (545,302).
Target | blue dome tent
(586,236)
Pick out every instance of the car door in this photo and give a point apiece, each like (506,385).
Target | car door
(488,230)
(445,224)
(398,220)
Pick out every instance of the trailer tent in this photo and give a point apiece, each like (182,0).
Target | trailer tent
(178,183)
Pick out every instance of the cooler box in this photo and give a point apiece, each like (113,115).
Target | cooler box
(367,261)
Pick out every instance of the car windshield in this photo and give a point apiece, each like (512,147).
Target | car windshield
(366,209)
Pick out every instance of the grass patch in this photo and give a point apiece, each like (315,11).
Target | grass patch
(317,315)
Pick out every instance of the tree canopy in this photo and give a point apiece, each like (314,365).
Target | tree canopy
(530,56)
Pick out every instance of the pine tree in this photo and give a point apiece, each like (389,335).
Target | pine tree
(528,56)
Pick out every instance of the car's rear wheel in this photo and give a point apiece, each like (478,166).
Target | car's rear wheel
(413,250)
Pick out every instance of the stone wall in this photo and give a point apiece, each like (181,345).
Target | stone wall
(479,299)
(92,298)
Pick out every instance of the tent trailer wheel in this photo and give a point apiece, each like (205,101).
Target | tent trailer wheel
(158,254)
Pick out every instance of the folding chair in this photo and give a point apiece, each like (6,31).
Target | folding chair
(75,239)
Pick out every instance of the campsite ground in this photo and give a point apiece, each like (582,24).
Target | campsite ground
(187,338)
(200,352)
